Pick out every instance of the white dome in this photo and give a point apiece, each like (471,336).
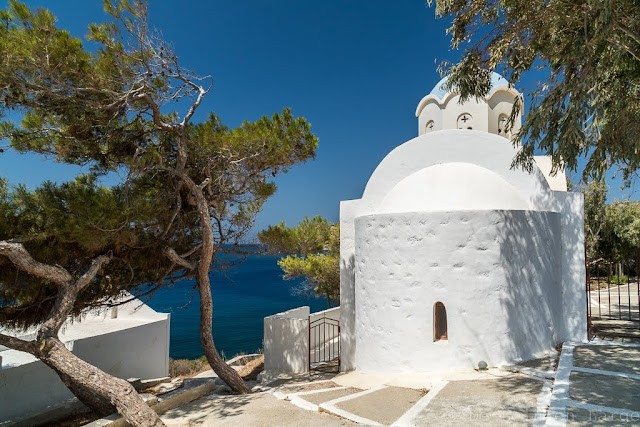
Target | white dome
(453,187)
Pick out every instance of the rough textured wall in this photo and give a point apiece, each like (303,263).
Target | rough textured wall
(497,273)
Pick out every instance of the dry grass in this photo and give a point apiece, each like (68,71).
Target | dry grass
(186,368)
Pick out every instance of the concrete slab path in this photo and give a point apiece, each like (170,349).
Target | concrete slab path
(383,406)
(506,401)
(254,410)
(596,384)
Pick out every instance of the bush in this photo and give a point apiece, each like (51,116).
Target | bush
(186,367)
(615,279)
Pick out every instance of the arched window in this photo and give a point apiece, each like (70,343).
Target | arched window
(465,121)
(440,322)
(502,126)
(429,127)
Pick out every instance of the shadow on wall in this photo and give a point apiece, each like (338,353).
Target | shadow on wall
(286,341)
(347,313)
(530,254)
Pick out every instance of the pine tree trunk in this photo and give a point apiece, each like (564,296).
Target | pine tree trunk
(100,406)
(219,366)
(225,372)
(78,374)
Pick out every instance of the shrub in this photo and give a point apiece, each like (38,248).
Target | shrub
(615,279)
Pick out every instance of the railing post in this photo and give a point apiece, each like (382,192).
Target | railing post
(588,289)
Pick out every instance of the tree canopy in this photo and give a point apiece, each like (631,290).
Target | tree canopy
(123,104)
(588,105)
(313,246)
(612,231)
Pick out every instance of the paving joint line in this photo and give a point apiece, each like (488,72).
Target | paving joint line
(331,407)
(408,418)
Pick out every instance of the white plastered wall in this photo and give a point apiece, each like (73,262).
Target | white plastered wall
(574,298)
(491,153)
(557,181)
(430,112)
(452,186)
(445,112)
(135,344)
(496,272)
(482,149)
(501,102)
(349,210)
(286,341)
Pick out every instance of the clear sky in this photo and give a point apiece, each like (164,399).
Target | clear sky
(356,69)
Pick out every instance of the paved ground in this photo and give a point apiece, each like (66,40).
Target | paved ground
(608,357)
(255,410)
(326,396)
(383,406)
(507,401)
(595,385)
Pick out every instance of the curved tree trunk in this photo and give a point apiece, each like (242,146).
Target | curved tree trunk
(78,374)
(100,406)
(82,378)
(224,371)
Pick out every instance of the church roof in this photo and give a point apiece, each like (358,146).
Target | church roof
(440,92)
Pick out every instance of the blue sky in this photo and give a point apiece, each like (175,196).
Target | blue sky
(356,69)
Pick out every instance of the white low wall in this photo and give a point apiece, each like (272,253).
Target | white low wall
(132,345)
(286,341)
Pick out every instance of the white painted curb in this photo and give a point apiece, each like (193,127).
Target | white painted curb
(408,419)
(331,407)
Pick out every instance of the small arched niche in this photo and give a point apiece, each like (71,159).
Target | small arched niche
(440,322)
(502,126)
(465,121)
(429,127)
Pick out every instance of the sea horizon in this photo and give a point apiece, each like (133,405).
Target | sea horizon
(243,295)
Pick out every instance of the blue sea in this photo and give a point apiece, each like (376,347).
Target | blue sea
(242,296)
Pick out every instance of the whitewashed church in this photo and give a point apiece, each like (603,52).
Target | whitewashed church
(451,257)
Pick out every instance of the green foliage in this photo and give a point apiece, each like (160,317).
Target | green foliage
(111,107)
(612,231)
(320,271)
(315,248)
(71,224)
(589,103)
(309,236)
(595,196)
(618,279)
(621,233)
